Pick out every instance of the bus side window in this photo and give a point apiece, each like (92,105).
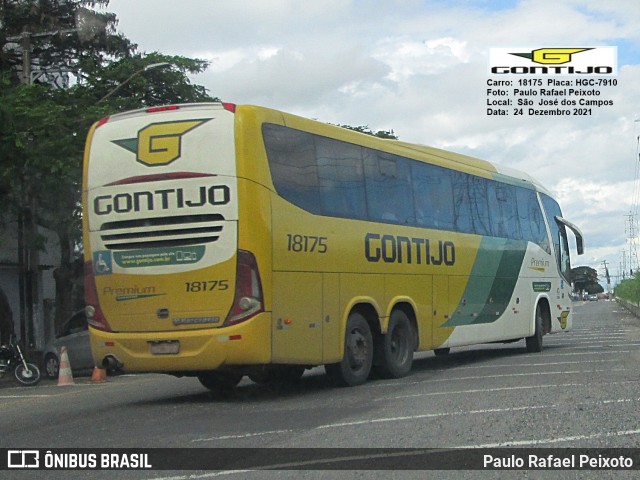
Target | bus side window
(462,203)
(389,192)
(558,234)
(433,196)
(503,211)
(471,204)
(531,220)
(292,161)
(341,178)
(480,206)
(565,261)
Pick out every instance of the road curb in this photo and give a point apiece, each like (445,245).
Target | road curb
(634,309)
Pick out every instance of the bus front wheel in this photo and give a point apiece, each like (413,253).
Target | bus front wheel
(534,342)
(356,363)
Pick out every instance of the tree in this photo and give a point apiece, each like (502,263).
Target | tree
(44,118)
(629,289)
(585,279)
(390,134)
(6,318)
(54,38)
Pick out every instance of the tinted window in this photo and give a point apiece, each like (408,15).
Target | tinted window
(504,210)
(294,170)
(335,178)
(558,233)
(531,220)
(389,192)
(462,203)
(341,178)
(433,196)
(479,205)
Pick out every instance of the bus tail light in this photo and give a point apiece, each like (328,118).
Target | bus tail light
(95,317)
(164,108)
(248,300)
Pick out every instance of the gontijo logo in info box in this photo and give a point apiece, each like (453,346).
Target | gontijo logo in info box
(578,60)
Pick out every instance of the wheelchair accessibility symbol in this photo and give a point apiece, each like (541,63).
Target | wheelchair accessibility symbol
(102,264)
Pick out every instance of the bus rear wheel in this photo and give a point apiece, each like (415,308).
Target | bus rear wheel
(356,363)
(534,342)
(396,347)
(277,374)
(220,381)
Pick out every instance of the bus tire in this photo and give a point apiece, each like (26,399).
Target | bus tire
(220,381)
(277,374)
(356,363)
(534,342)
(396,347)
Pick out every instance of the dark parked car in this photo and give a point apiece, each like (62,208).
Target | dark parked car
(75,337)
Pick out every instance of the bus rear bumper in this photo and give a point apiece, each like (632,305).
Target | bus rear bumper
(248,343)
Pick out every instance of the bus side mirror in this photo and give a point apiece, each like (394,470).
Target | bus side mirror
(576,231)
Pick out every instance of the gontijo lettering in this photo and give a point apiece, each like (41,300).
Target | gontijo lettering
(400,249)
(164,199)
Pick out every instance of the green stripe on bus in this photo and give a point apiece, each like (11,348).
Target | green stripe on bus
(491,283)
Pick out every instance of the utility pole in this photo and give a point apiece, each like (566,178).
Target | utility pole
(30,285)
(633,253)
(26,56)
(606,272)
(30,282)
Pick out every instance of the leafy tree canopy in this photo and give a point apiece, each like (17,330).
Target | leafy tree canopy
(63,65)
(380,133)
(585,279)
(629,289)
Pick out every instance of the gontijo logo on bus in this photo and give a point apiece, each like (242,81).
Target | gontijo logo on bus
(159,143)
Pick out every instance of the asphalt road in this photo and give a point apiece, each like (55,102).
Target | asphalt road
(582,391)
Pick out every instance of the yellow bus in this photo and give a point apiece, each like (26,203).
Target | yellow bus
(226,240)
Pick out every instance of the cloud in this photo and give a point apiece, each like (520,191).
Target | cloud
(286,76)
(407,57)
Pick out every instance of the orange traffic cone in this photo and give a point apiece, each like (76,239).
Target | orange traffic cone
(65,377)
(99,375)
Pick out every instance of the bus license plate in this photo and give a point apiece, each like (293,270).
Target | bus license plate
(168,347)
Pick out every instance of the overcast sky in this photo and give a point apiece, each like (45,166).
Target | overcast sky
(420,67)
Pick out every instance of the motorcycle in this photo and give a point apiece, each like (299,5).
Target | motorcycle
(11,358)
